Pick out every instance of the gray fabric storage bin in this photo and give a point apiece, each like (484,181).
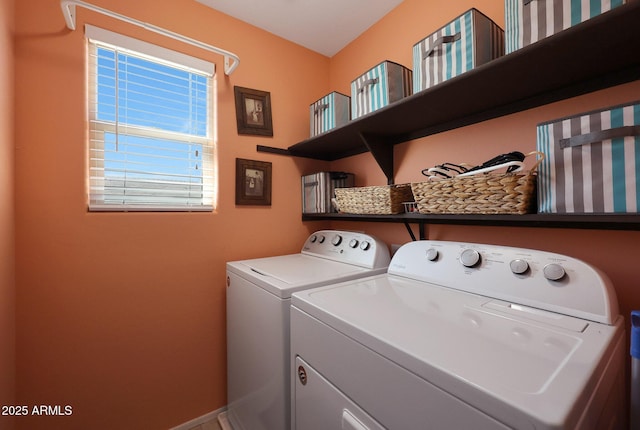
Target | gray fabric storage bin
(318,190)
(592,162)
(331,111)
(380,86)
(470,40)
(527,21)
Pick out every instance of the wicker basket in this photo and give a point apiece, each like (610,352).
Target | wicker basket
(378,200)
(511,193)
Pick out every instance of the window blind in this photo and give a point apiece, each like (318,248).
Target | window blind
(150,120)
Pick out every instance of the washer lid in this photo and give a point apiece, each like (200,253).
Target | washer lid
(284,274)
(476,348)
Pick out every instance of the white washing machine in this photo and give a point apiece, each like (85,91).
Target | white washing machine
(461,336)
(258,302)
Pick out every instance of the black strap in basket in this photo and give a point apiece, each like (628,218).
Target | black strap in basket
(501,159)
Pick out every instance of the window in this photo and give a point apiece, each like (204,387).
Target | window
(150,126)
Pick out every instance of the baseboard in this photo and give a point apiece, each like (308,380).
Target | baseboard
(204,419)
(223,421)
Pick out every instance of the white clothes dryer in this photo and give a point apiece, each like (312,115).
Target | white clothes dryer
(461,336)
(258,312)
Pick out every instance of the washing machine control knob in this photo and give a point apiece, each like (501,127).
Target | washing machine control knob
(365,245)
(321,239)
(553,272)
(519,266)
(353,243)
(469,257)
(432,254)
(337,240)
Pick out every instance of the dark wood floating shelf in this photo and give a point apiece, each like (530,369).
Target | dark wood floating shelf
(599,53)
(577,221)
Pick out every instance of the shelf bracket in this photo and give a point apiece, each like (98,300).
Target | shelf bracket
(272,150)
(382,152)
(421,230)
(408,227)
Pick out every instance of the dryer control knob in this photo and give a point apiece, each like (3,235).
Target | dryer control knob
(469,257)
(553,272)
(353,243)
(313,239)
(365,245)
(519,266)
(432,254)
(337,240)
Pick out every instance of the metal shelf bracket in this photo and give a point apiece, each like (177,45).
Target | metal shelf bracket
(382,152)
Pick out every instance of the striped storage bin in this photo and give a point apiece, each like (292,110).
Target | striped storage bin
(331,111)
(527,21)
(592,162)
(318,190)
(382,85)
(468,41)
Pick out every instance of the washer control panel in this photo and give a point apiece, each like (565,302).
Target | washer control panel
(348,247)
(539,279)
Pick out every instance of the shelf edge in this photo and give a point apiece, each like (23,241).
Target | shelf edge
(625,222)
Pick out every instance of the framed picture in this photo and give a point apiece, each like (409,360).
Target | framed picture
(253,111)
(253,182)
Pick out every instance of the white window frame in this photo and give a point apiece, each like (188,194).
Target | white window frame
(96,37)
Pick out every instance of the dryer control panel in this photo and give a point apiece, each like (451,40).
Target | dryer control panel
(355,248)
(519,276)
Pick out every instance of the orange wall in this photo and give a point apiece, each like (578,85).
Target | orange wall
(7,245)
(393,38)
(122,315)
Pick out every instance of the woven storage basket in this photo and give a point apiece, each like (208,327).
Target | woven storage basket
(378,200)
(510,193)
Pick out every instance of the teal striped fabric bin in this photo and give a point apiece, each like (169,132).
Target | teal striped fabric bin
(380,86)
(592,162)
(331,111)
(527,21)
(470,40)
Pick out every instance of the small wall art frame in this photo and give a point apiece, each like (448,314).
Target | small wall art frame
(253,182)
(253,111)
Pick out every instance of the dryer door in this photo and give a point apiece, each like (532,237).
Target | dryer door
(319,405)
